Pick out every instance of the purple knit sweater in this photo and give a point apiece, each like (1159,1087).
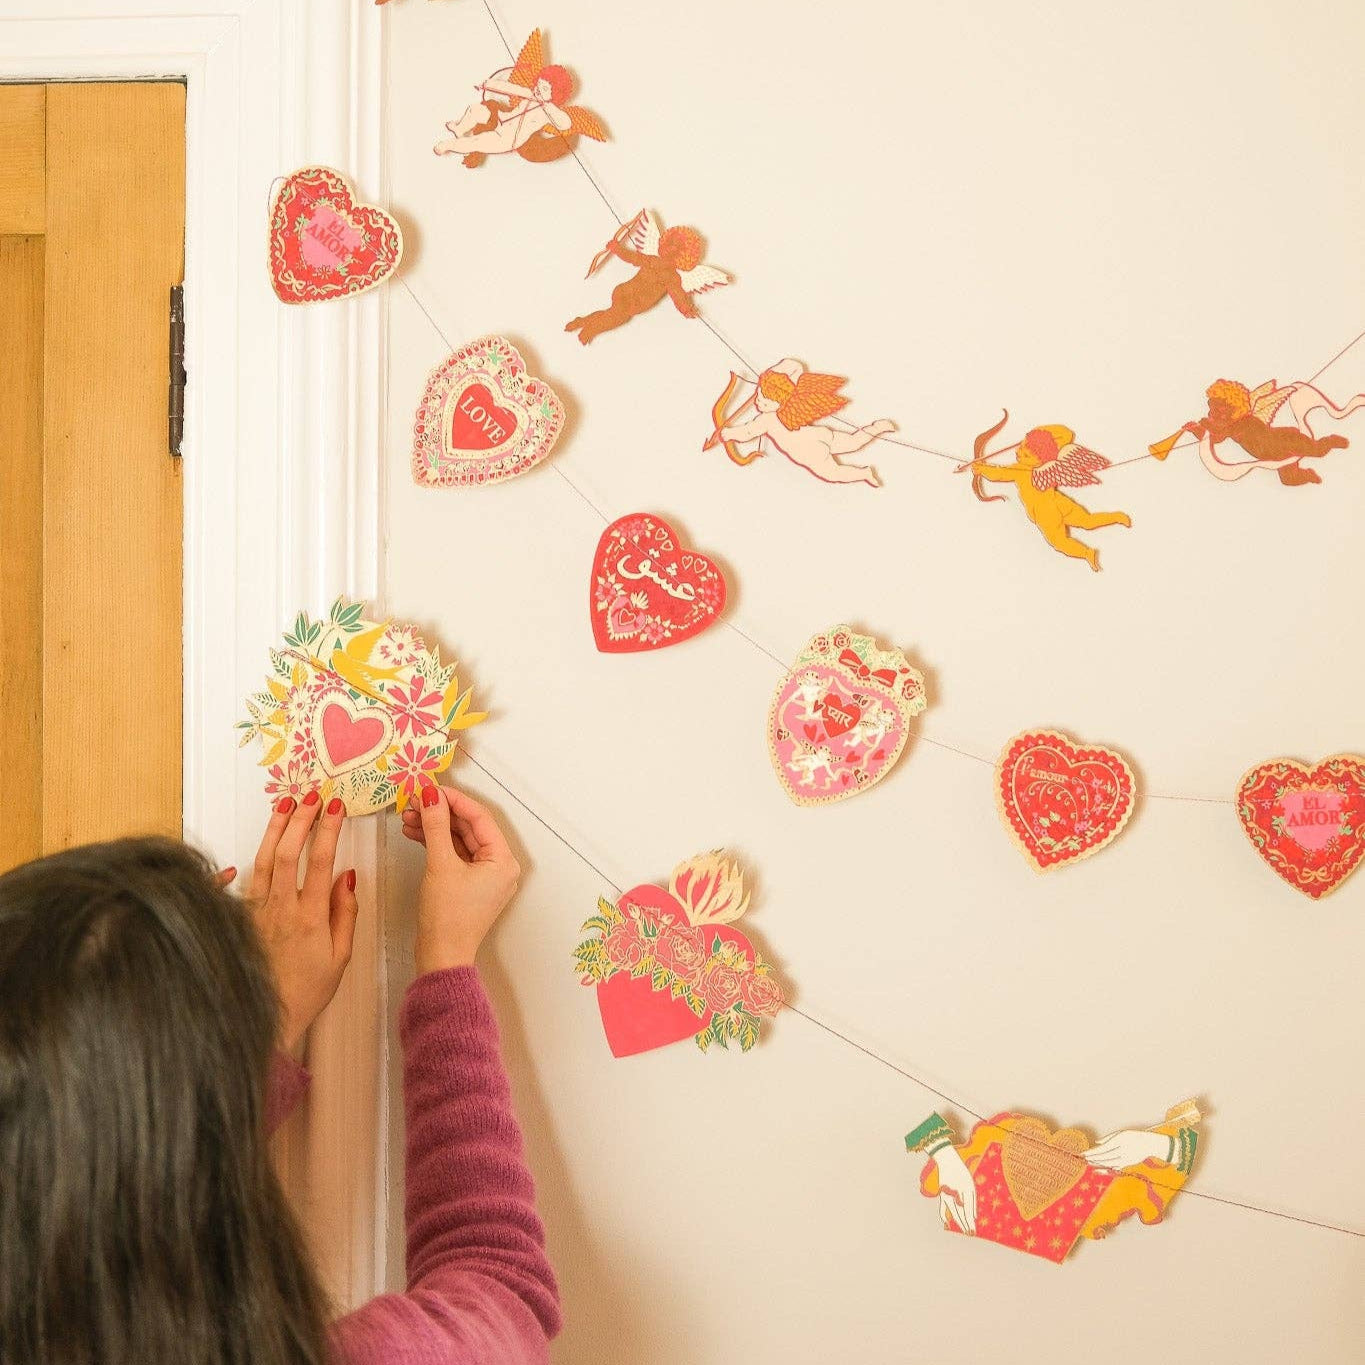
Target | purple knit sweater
(480,1289)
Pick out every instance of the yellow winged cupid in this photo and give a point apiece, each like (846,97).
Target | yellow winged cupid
(522,109)
(1049,459)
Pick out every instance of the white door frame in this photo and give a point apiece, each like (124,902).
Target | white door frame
(282,469)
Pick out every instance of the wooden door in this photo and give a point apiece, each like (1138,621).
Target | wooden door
(92,229)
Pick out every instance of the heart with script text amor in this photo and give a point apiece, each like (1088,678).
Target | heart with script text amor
(326,244)
(650,590)
(1306,820)
(1061,801)
(483,418)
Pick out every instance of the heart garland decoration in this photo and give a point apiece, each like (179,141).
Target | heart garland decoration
(357,709)
(841,717)
(1306,821)
(483,418)
(669,965)
(648,589)
(326,244)
(1061,801)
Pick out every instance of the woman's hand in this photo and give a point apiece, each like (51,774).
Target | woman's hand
(470,876)
(307,933)
(956,1190)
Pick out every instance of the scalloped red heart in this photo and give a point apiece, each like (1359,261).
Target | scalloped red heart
(326,244)
(1306,821)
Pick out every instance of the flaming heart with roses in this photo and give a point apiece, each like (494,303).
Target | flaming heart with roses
(668,965)
(357,709)
(483,418)
(325,244)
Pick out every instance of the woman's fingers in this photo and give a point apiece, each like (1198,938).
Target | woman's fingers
(480,829)
(263,868)
(290,847)
(226,877)
(436,831)
(323,851)
(344,909)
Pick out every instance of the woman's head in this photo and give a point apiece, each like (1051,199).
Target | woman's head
(139,1216)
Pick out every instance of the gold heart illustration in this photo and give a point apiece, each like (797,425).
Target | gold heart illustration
(1041,1166)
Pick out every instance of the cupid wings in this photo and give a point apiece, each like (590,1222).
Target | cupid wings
(644,236)
(1074,466)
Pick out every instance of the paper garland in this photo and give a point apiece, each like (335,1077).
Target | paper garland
(648,590)
(1019,1184)
(526,113)
(669,965)
(667,264)
(324,243)
(483,418)
(788,402)
(357,709)
(1061,801)
(840,719)
(1307,822)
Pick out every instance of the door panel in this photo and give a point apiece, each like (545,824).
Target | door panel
(101,555)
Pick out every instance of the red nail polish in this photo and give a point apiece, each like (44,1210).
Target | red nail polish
(286,805)
(431,795)
(334,806)
(350,880)
(312,798)
(228,873)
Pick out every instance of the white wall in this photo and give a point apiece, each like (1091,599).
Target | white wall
(1085,213)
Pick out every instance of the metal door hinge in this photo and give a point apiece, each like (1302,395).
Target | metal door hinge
(176,400)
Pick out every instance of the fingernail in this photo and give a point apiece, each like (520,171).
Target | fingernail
(286,805)
(312,798)
(334,806)
(350,880)
(228,873)
(431,795)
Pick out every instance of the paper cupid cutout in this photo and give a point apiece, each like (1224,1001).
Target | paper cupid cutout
(666,264)
(356,709)
(1060,801)
(668,965)
(326,245)
(787,403)
(648,589)
(1306,822)
(840,719)
(1047,460)
(483,418)
(1016,1182)
(522,110)
(1244,417)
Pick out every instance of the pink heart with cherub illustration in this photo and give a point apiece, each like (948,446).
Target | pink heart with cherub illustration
(840,719)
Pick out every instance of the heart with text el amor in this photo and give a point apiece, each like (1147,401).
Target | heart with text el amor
(1305,820)
(324,243)
(648,589)
(1062,801)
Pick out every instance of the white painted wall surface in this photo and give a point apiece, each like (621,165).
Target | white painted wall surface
(1084,213)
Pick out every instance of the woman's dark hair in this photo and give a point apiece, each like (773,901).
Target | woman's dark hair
(140,1218)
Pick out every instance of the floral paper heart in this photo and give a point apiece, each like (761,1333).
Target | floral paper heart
(648,589)
(483,418)
(324,244)
(840,718)
(670,965)
(1306,822)
(1060,801)
(349,735)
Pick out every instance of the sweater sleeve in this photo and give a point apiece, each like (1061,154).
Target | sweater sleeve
(480,1288)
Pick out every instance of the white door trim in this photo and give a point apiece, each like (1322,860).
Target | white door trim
(283,476)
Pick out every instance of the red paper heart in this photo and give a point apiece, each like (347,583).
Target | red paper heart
(637,1018)
(347,738)
(479,423)
(840,715)
(1306,822)
(648,591)
(324,244)
(1060,801)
